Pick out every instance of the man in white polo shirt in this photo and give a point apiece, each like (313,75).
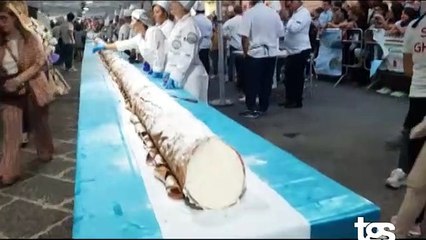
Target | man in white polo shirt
(261,27)
(415,67)
(298,45)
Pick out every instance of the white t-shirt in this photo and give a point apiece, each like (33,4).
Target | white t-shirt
(124,32)
(9,63)
(415,43)
(65,28)
(263,37)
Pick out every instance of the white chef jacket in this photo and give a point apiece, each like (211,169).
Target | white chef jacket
(206,29)
(415,44)
(167,27)
(230,29)
(263,26)
(124,32)
(296,37)
(152,47)
(183,63)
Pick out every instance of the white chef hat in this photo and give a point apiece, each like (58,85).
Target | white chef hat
(187,4)
(142,15)
(199,6)
(164,4)
(127,13)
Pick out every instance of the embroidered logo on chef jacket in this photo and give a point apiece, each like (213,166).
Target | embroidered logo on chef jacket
(176,44)
(192,38)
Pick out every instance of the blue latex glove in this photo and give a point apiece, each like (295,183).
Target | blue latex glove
(146,67)
(98,47)
(158,75)
(170,84)
(166,77)
(150,72)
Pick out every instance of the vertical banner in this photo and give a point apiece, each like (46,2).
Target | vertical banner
(210,7)
(329,60)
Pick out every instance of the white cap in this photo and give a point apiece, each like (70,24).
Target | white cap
(132,7)
(142,15)
(187,4)
(127,13)
(199,6)
(164,4)
(276,5)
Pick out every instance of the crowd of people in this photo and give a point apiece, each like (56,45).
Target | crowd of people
(71,36)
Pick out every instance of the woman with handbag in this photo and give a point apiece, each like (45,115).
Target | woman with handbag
(22,81)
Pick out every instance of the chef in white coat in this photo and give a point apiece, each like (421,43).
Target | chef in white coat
(150,42)
(183,64)
(161,11)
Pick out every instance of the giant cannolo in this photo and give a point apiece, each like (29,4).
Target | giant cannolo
(209,173)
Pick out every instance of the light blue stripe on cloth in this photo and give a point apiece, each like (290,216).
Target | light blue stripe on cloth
(111,200)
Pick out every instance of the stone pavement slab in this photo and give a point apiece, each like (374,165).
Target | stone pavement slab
(64,228)
(21,219)
(43,190)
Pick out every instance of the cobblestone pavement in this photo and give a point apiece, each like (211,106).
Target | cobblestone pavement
(41,204)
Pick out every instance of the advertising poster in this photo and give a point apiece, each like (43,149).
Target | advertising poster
(329,60)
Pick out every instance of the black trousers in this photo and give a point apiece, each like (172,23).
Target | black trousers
(295,76)
(204,57)
(68,55)
(410,149)
(237,62)
(259,73)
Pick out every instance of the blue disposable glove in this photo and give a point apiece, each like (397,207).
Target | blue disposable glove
(146,67)
(98,47)
(166,77)
(150,72)
(158,75)
(170,84)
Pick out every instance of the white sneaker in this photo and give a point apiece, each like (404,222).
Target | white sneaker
(73,69)
(384,90)
(242,99)
(396,179)
(398,94)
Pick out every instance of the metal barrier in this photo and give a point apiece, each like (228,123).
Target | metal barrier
(372,50)
(352,39)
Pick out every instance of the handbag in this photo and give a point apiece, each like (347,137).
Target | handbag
(57,82)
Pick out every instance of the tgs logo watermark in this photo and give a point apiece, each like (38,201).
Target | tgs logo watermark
(377,230)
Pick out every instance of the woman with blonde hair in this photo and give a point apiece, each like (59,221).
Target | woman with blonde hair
(22,81)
